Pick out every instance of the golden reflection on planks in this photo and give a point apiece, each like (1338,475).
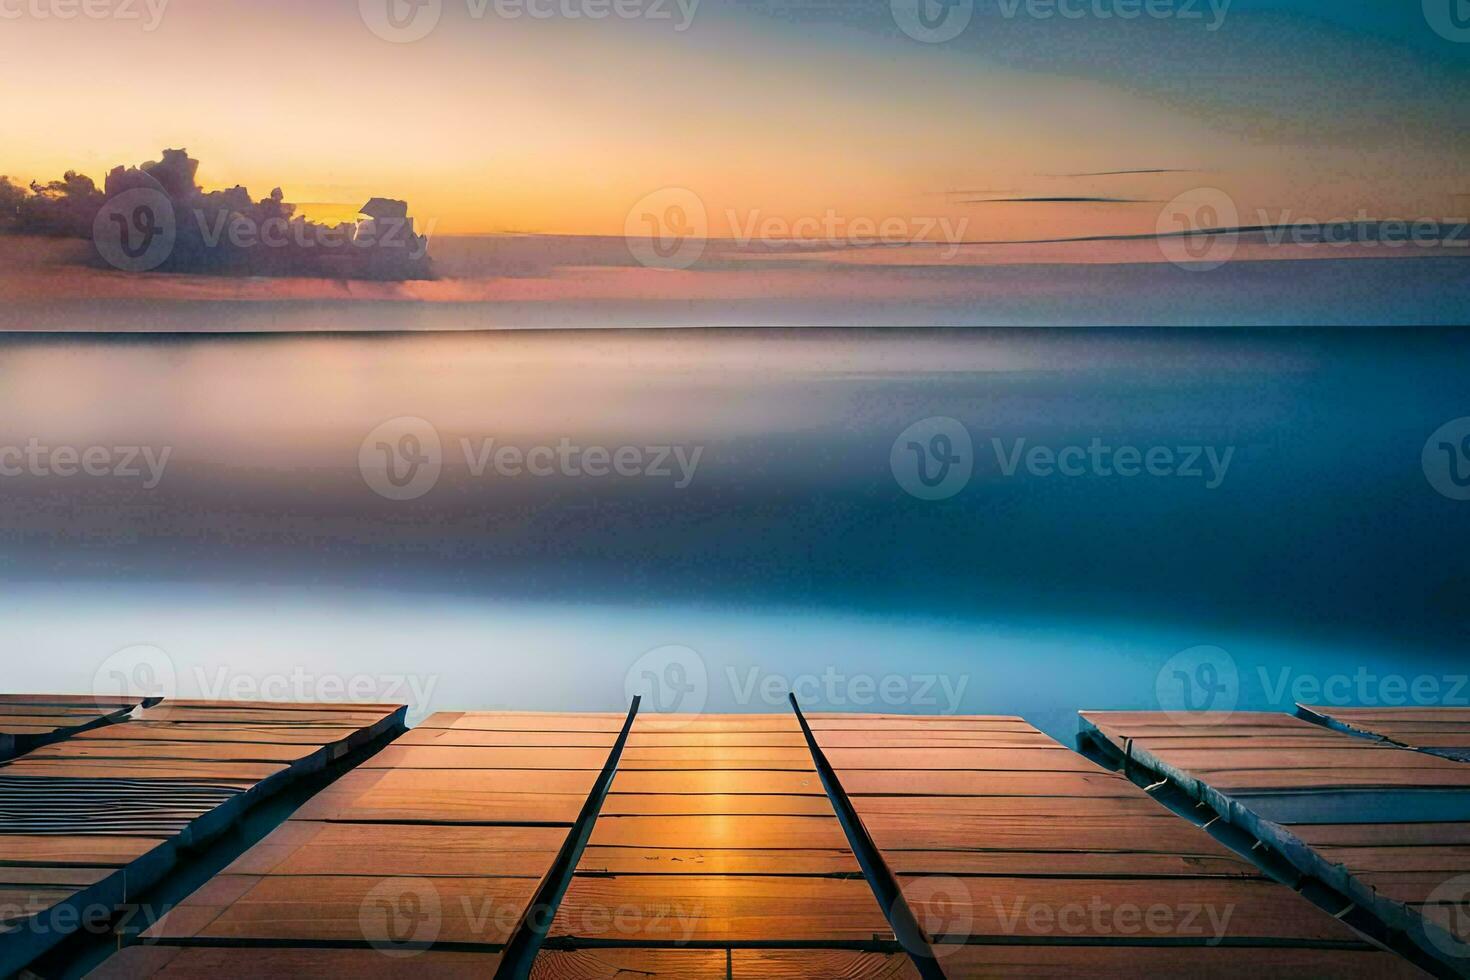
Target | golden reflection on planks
(428,842)
(717,831)
(997,843)
(737,964)
(89,821)
(1384,825)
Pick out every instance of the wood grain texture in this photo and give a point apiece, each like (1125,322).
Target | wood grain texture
(101,815)
(725,909)
(1366,816)
(1131,963)
(212,963)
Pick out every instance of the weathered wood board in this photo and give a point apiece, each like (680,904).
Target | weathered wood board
(1438,731)
(717,832)
(1020,857)
(90,821)
(28,721)
(1382,825)
(441,838)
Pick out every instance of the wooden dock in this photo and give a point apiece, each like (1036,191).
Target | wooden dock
(1020,857)
(1383,826)
(1438,731)
(89,821)
(29,721)
(760,847)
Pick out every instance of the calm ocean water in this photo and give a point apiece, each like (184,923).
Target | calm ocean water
(987,521)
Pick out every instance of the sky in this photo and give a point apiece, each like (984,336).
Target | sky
(1018,127)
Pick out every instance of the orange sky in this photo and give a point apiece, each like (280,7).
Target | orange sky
(561,126)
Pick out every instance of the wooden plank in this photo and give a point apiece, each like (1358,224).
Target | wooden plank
(739,964)
(126,796)
(430,842)
(211,963)
(388,911)
(1334,816)
(714,832)
(1197,912)
(484,757)
(1033,843)
(29,721)
(301,847)
(667,860)
(1437,731)
(527,796)
(725,909)
(1131,962)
